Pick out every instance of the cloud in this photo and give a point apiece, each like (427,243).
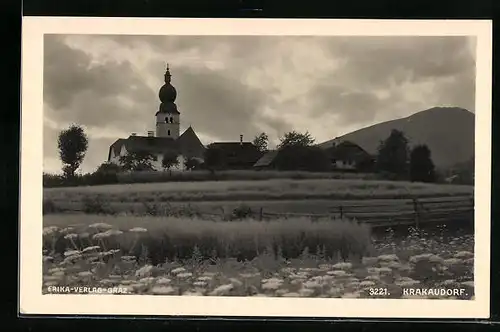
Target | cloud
(232,85)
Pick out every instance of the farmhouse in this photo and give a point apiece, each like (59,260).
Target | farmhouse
(166,139)
(237,155)
(348,156)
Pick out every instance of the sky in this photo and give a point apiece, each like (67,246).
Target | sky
(232,85)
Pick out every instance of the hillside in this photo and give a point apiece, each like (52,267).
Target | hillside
(447,131)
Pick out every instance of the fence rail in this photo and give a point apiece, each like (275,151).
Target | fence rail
(382,212)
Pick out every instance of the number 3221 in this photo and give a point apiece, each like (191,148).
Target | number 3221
(378,292)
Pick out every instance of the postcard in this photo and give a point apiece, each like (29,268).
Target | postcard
(255,167)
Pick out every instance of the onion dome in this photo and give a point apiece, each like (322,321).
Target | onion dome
(167,95)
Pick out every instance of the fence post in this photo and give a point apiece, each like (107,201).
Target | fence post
(417,217)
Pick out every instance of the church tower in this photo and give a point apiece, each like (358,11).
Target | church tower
(167,117)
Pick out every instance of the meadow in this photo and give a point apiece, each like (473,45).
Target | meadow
(290,258)
(198,238)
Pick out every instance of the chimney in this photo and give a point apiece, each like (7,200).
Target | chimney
(241,139)
(151,134)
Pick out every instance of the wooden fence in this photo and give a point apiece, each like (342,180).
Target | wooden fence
(377,213)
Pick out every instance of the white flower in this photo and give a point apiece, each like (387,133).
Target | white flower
(369,260)
(106,234)
(144,271)
(91,248)
(204,278)
(71,253)
(70,236)
(388,258)
(101,225)
(222,290)
(200,283)
(366,283)
(85,274)
(163,281)
(464,254)
(50,230)
(337,273)
(138,230)
(311,284)
(343,266)
(178,270)
(163,290)
(128,258)
(184,275)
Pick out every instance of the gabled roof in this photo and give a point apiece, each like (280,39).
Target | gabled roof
(190,144)
(238,152)
(266,159)
(347,150)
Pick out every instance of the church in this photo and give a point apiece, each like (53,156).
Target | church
(166,138)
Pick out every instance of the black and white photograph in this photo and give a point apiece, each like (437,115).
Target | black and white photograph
(244,164)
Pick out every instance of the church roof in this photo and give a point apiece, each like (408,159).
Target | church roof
(188,144)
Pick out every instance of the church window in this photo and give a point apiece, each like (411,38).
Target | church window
(171,120)
(166,119)
(168,132)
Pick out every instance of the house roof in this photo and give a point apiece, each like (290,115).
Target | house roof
(347,150)
(238,152)
(188,144)
(266,159)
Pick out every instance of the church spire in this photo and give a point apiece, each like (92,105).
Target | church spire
(168,76)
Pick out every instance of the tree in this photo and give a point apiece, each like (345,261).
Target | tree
(421,166)
(138,161)
(192,163)
(294,138)
(393,154)
(72,144)
(170,160)
(108,167)
(261,141)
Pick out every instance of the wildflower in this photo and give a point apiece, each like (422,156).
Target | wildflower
(417,258)
(200,283)
(271,284)
(146,280)
(204,278)
(48,259)
(50,230)
(388,258)
(325,267)
(106,234)
(306,292)
(138,230)
(101,225)
(236,282)
(178,270)
(468,283)
(184,275)
(452,261)
(343,266)
(71,253)
(464,254)
(312,284)
(337,273)
(91,248)
(163,281)
(67,230)
(84,274)
(222,290)
(366,283)
(288,270)
(128,258)
(70,236)
(144,271)
(163,290)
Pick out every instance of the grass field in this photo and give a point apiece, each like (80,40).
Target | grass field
(292,258)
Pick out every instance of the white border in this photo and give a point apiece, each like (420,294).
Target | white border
(33,302)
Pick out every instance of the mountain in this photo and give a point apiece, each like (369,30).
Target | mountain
(447,131)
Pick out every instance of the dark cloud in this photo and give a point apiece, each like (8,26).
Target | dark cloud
(232,85)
